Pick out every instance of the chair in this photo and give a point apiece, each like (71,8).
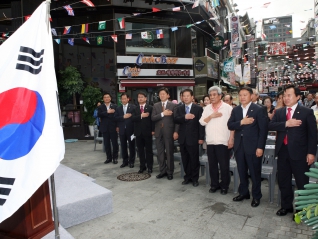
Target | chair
(269,169)
(96,138)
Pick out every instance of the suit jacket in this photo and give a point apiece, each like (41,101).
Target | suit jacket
(125,125)
(108,123)
(190,131)
(253,135)
(143,126)
(169,127)
(302,140)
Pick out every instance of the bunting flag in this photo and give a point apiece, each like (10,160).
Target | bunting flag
(265,5)
(174,29)
(136,14)
(121,22)
(67,30)
(88,3)
(195,4)
(4,35)
(155,9)
(176,9)
(114,38)
(128,36)
(58,41)
(71,41)
(99,40)
(159,34)
(50,18)
(53,32)
(84,28)
(144,35)
(102,25)
(27,17)
(69,10)
(189,25)
(263,36)
(86,39)
(272,27)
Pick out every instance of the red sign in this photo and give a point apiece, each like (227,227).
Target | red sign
(277,48)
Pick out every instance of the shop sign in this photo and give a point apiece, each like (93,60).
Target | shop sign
(141,59)
(131,71)
(217,43)
(277,48)
(173,72)
(206,67)
(228,66)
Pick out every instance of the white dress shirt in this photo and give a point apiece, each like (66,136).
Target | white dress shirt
(165,106)
(246,109)
(292,111)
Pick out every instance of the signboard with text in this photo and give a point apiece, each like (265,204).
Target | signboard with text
(277,48)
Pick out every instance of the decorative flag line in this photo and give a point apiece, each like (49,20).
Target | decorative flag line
(121,22)
(88,3)
(84,28)
(67,30)
(69,10)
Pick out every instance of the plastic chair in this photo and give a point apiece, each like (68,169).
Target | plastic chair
(269,169)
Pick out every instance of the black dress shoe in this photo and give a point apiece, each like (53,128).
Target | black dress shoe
(186,181)
(107,161)
(255,202)
(283,211)
(149,170)
(241,197)
(169,177)
(142,170)
(161,175)
(123,165)
(115,161)
(214,189)
(223,191)
(195,183)
(131,165)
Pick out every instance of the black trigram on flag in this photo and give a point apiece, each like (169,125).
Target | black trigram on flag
(30,60)
(5,188)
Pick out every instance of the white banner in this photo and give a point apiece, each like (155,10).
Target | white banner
(31,136)
(247,73)
(238,73)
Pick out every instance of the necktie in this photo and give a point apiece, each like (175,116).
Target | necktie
(187,110)
(288,117)
(125,109)
(141,109)
(163,107)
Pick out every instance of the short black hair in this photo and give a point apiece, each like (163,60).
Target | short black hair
(249,89)
(267,97)
(124,94)
(280,93)
(108,94)
(296,89)
(196,100)
(205,97)
(163,89)
(142,93)
(188,90)
(181,92)
(231,98)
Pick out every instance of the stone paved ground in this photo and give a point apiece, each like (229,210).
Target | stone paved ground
(158,208)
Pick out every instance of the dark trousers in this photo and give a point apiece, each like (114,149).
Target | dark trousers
(219,155)
(144,144)
(249,162)
(286,167)
(165,150)
(107,138)
(190,161)
(132,150)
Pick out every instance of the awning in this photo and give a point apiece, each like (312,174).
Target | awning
(156,83)
(228,84)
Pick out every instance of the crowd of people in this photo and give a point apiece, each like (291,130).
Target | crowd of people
(223,128)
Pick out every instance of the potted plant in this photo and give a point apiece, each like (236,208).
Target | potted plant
(91,96)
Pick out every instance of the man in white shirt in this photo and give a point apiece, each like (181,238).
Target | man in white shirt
(219,139)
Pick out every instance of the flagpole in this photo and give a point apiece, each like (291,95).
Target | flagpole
(53,193)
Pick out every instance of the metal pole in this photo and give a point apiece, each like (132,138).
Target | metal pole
(55,212)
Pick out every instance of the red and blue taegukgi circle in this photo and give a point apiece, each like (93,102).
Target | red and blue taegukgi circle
(22,117)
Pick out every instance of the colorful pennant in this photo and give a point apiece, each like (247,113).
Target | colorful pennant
(174,29)
(159,34)
(54,31)
(128,36)
(176,9)
(99,40)
(67,30)
(86,39)
(121,22)
(57,41)
(88,3)
(71,41)
(84,28)
(69,10)
(102,25)
(155,9)
(114,37)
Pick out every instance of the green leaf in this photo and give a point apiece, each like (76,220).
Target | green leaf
(297,218)
(308,214)
(316,211)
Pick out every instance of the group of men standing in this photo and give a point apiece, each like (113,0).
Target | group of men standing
(243,128)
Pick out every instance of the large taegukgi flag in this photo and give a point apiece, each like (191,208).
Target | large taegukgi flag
(31,136)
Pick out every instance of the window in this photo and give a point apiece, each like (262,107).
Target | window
(148,38)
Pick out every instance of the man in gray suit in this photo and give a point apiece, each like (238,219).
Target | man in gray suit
(165,132)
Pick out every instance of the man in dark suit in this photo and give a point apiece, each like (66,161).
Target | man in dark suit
(250,124)
(166,131)
(126,130)
(191,134)
(108,127)
(296,145)
(144,129)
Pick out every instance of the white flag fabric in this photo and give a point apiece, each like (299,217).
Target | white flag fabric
(31,136)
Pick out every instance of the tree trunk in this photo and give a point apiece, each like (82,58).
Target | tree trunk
(74,101)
